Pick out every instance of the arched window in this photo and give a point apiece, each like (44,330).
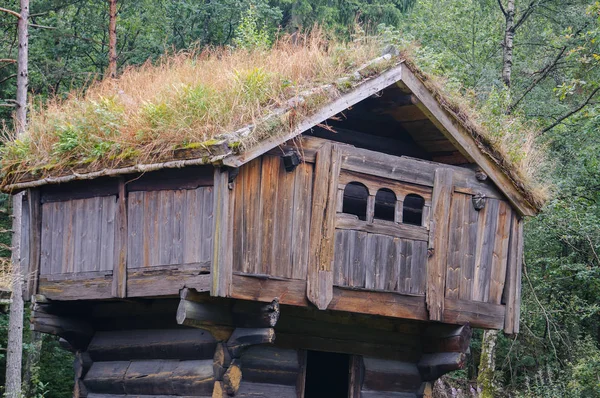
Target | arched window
(355,200)
(412,213)
(385,205)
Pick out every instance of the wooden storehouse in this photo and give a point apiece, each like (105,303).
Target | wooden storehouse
(348,257)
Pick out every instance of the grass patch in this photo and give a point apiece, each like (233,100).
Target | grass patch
(192,100)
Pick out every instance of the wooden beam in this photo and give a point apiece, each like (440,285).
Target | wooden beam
(438,243)
(77,332)
(388,375)
(319,288)
(270,364)
(464,141)
(440,337)
(478,314)
(222,263)
(433,366)
(221,361)
(232,378)
(246,337)
(362,91)
(35,241)
(182,344)
(119,283)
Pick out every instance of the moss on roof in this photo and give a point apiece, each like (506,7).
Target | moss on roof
(203,106)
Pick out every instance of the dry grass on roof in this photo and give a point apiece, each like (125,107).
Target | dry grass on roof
(185,101)
(189,104)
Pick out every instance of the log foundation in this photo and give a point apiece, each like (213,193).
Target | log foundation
(242,349)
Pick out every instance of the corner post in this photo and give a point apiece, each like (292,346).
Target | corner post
(119,284)
(438,243)
(35,242)
(319,289)
(222,262)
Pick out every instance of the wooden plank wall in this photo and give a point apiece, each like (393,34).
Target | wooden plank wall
(169,227)
(271,218)
(478,249)
(379,262)
(78,235)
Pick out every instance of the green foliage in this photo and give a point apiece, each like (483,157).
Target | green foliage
(249,34)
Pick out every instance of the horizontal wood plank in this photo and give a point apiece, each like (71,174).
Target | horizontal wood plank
(388,228)
(478,314)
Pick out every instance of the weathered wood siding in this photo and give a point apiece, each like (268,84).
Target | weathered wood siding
(379,262)
(169,227)
(78,235)
(478,249)
(271,218)
(384,255)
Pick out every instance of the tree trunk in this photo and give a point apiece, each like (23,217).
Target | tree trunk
(14,349)
(22,69)
(487,364)
(14,355)
(507,43)
(112,39)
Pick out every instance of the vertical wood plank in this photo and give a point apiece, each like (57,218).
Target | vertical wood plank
(512,288)
(408,260)
(455,246)
(58,238)
(418,267)
(177,227)
(135,229)
(340,258)
(359,260)
(165,237)
(207,235)
(370,260)
(94,225)
(500,253)
(35,244)
(268,204)
(191,225)
(222,264)
(301,220)
(438,243)
(401,264)
(370,208)
(283,227)
(467,269)
(107,262)
(390,278)
(322,236)
(485,251)
(239,221)
(70,238)
(398,211)
(24,243)
(252,231)
(119,282)
(46,243)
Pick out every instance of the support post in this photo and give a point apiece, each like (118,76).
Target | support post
(222,263)
(438,243)
(322,226)
(119,285)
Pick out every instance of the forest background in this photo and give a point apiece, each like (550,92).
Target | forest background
(550,85)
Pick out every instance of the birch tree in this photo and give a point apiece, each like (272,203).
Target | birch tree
(15,327)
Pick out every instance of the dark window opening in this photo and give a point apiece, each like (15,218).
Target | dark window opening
(326,375)
(355,200)
(412,212)
(385,205)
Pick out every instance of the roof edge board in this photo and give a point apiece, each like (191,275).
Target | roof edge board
(361,92)
(464,141)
